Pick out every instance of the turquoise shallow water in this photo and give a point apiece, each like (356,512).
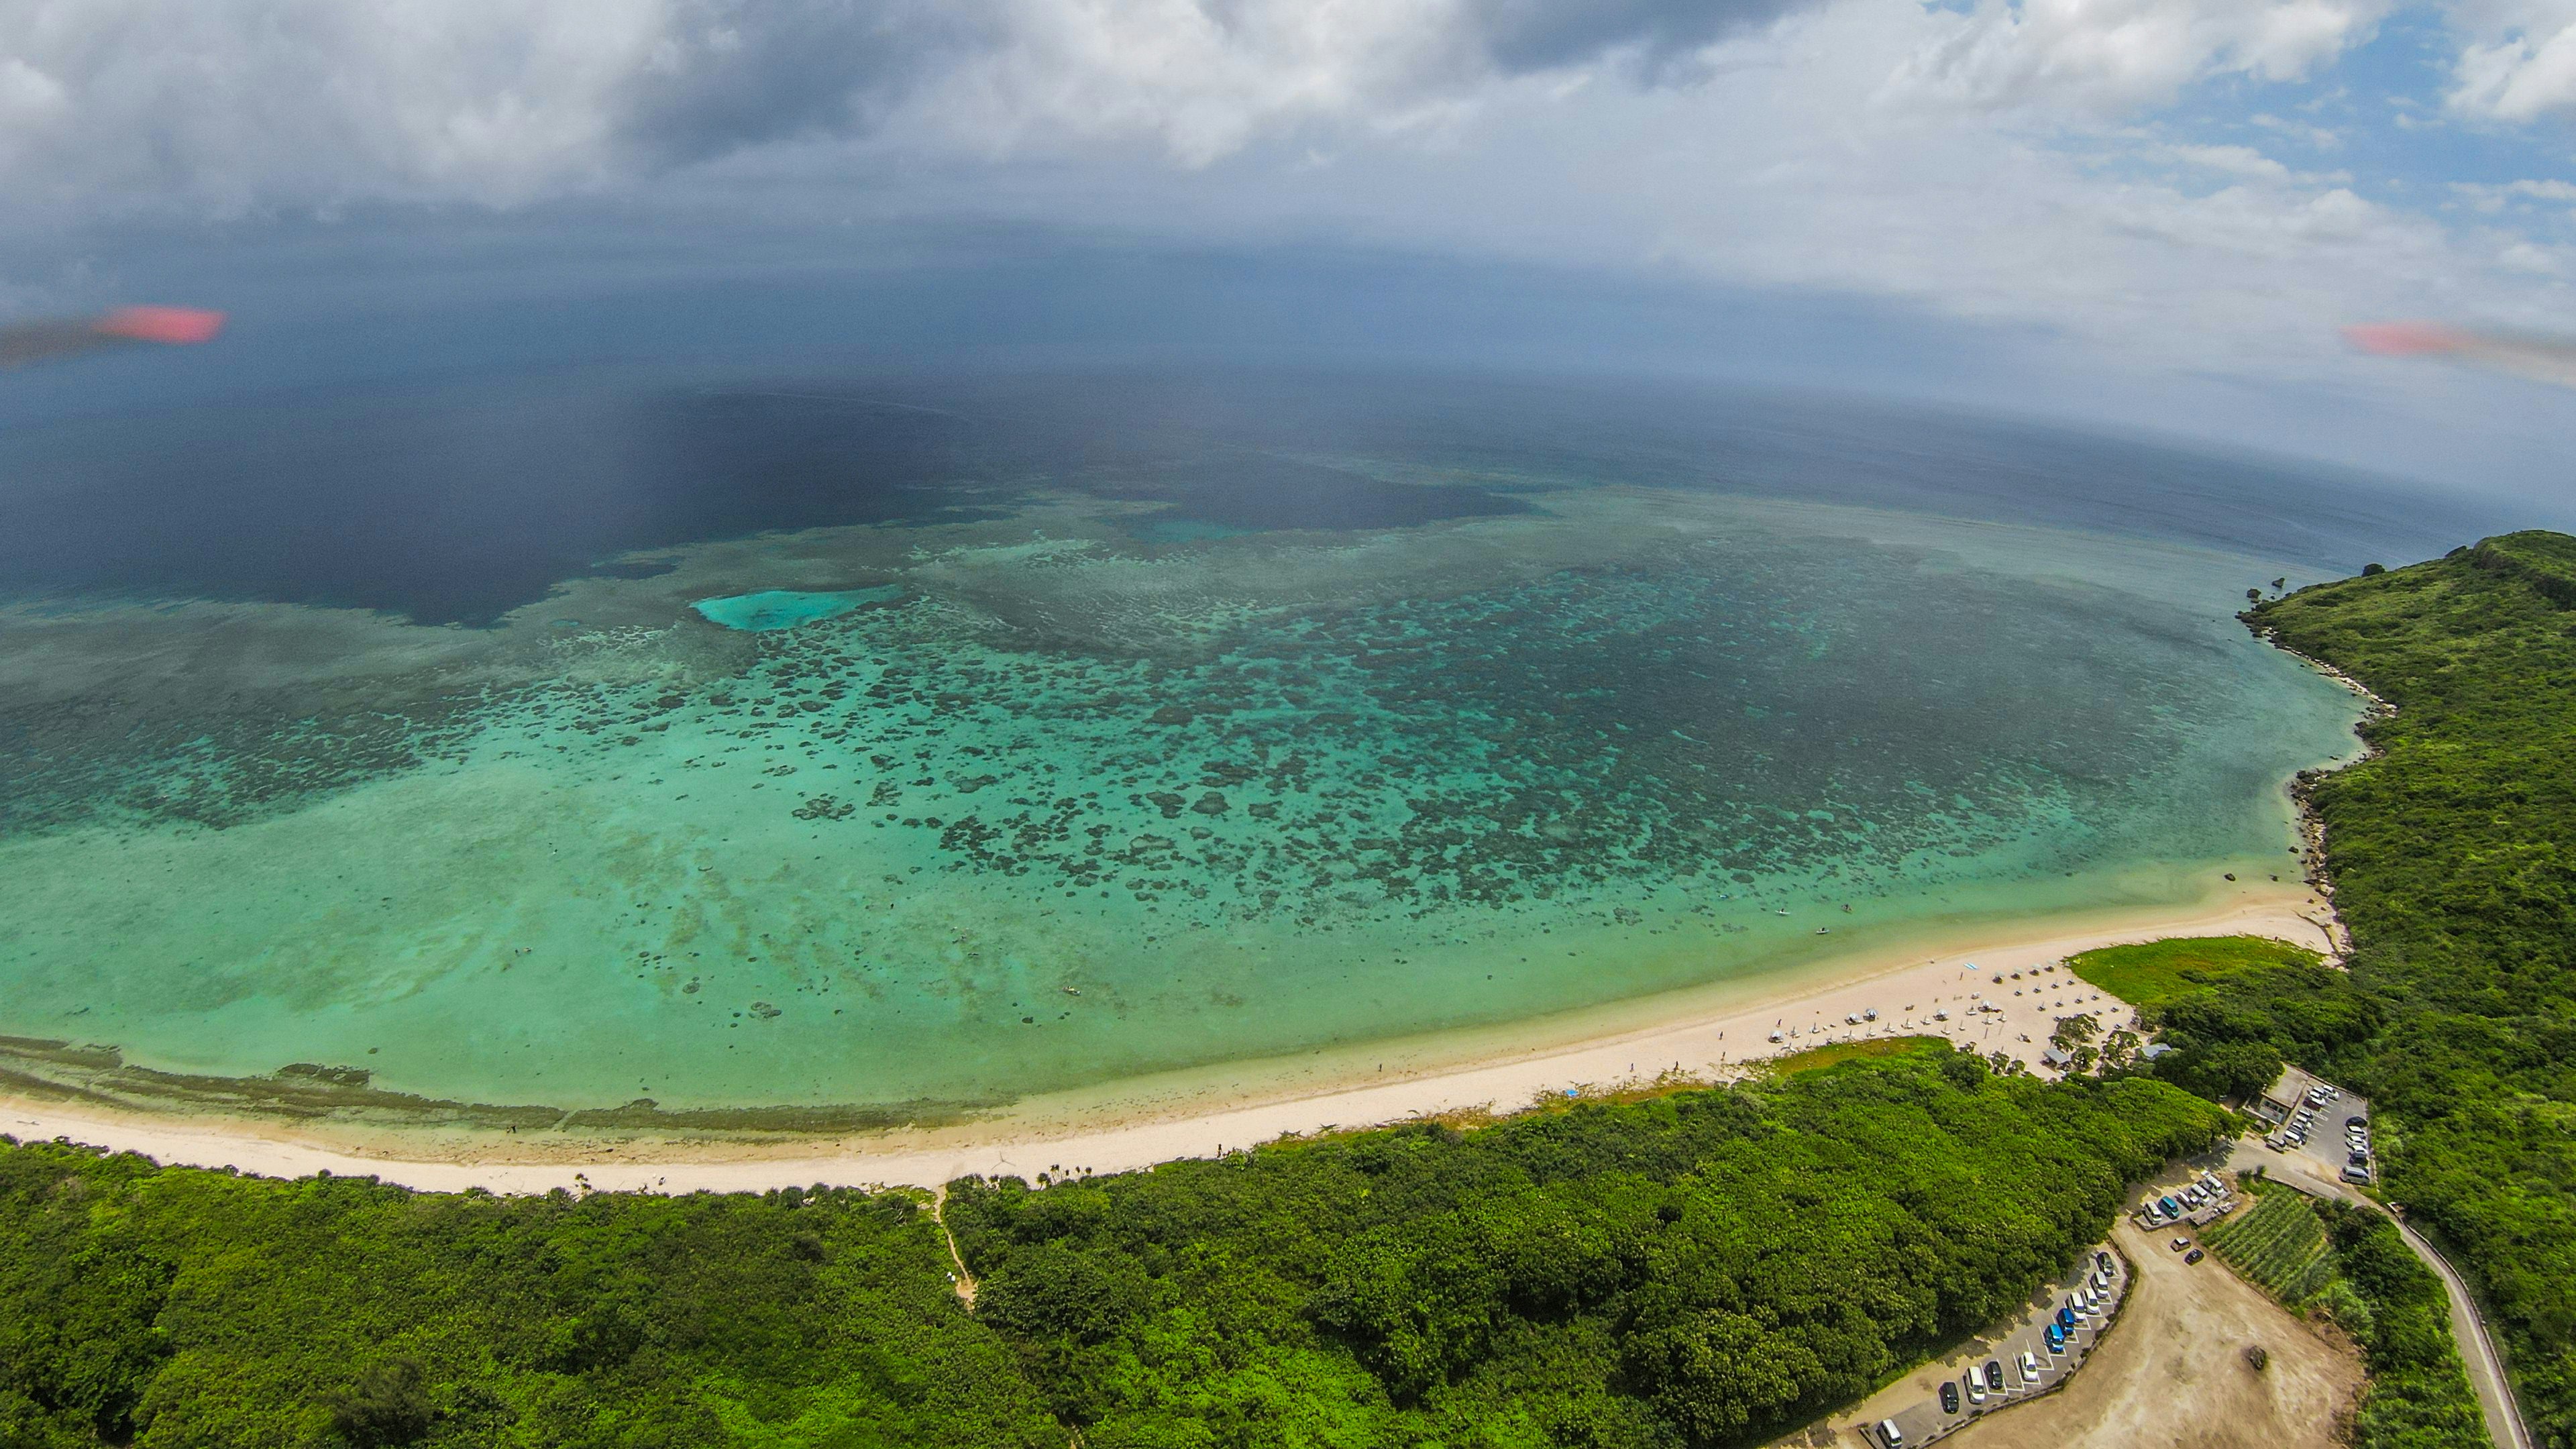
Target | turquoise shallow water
(1059,807)
(768,609)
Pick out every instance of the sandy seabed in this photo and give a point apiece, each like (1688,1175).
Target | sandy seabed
(1709,1034)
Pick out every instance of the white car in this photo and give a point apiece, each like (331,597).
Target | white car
(2030,1369)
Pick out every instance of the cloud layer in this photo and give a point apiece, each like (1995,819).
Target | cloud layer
(135,105)
(2038,164)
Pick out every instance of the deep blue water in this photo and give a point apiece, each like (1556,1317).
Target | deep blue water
(458,502)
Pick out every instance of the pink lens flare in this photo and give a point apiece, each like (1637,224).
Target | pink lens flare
(2406,339)
(174,325)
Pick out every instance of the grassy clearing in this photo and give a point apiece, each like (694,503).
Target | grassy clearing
(2153,973)
(1835,1054)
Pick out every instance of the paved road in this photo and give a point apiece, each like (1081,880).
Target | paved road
(2468,1326)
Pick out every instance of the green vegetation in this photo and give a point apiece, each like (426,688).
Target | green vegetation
(1849,1051)
(2350,1265)
(2278,1244)
(1705,1267)
(200,1308)
(2419,1395)
(2153,973)
(2233,1008)
(2453,854)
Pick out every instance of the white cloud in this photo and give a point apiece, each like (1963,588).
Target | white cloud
(1961,164)
(2233,160)
(1196,82)
(2519,59)
(2320,137)
(2488,199)
(127,106)
(2114,56)
(226,104)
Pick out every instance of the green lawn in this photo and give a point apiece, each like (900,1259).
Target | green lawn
(2156,972)
(1817,1058)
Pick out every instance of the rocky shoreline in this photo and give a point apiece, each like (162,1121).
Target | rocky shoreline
(2312,827)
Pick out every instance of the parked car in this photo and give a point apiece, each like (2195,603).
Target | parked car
(1949,1397)
(2056,1339)
(1890,1435)
(1994,1376)
(2181,1243)
(2102,1261)
(1976,1389)
(2029,1366)
(2356,1174)
(2194,1256)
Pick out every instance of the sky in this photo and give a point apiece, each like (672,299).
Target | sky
(2144,215)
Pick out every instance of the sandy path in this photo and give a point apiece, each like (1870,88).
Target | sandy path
(2172,1373)
(1138,1124)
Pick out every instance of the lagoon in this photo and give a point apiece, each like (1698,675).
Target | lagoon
(1056,805)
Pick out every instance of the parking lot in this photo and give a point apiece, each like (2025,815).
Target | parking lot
(2325,1153)
(1915,1403)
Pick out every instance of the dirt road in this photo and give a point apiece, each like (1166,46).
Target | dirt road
(2172,1373)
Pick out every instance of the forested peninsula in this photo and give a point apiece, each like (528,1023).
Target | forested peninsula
(1700,1267)
(2452,854)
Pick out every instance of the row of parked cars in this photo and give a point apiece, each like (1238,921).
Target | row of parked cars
(2356,1131)
(2356,1146)
(2089,1300)
(2295,1131)
(2200,1200)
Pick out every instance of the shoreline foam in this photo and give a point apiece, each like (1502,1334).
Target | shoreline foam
(1144,1121)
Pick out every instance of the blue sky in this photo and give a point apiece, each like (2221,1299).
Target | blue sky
(2146,214)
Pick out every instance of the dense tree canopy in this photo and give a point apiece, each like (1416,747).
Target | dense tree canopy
(1701,1268)
(2453,855)
(1704,1268)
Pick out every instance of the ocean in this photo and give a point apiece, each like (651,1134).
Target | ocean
(873,748)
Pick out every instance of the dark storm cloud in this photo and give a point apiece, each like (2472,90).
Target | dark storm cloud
(1527,35)
(733,74)
(125,108)
(730,74)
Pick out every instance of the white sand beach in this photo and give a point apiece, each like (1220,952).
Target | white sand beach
(1709,1035)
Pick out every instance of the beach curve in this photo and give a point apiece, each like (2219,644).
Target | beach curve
(1716,1034)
